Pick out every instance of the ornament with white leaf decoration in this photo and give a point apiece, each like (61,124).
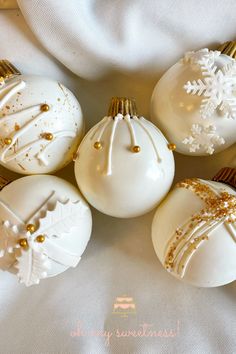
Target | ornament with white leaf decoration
(194,102)
(41,123)
(125,165)
(45,226)
(197,244)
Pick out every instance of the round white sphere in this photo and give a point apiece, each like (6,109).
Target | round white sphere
(197,247)
(41,125)
(124,167)
(194,103)
(61,222)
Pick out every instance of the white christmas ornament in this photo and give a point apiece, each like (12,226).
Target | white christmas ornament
(194,103)
(45,226)
(41,122)
(125,165)
(197,241)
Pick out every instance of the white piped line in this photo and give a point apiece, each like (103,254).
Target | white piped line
(13,89)
(131,129)
(117,119)
(149,135)
(62,134)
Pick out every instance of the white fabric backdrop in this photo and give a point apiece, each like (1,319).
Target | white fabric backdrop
(120,258)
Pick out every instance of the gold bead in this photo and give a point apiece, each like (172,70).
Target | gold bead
(171,147)
(8,141)
(31,228)
(44,107)
(136,148)
(23,242)
(97,145)
(40,238)
(48,136)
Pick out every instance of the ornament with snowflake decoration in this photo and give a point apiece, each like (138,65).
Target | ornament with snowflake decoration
(194,103)
(203,137)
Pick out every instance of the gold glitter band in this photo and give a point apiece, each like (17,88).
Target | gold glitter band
(123,106)
(228,48)
(3,182)
(7,70)
(226,175)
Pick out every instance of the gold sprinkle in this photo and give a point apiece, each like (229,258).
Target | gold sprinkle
(136,148)
(8,141)
(31,228)
(40,238)
(23,242)
(97,145)
(171,147)
(44,107)
(48,136)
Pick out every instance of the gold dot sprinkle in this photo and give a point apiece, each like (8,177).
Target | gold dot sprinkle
(44,107)
(17,127)
(31,228)
(40,238)
(136,148)
(171,147)
(8,141)
(48,136)
(97,145)
(23,242)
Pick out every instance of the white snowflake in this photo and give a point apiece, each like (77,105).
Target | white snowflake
(218,85)
(203,137)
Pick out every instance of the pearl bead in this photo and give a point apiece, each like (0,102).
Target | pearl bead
(8,141)
(136,149)
(40,238)
(31,228)
(23,242)
(171,147)
(44,107)
(97,145)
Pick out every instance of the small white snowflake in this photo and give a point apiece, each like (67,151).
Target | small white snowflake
(203,137)
(218,85)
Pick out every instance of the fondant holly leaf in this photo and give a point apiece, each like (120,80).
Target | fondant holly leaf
(61,219)
(32,266)
(9,234)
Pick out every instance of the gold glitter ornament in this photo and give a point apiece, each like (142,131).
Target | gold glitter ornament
(198,245)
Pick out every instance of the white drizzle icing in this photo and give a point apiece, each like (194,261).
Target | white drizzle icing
(193,238)
(101,127)
(141,121)
(131,129)
(97,127)
(7,92)
(117,119)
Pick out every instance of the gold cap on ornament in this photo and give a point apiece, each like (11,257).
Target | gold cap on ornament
(7,70)
(228,48)
(3,182)
(122,105)
(226,175)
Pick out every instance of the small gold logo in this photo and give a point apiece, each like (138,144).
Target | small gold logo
(124,306)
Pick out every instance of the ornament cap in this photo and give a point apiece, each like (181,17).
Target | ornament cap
(7,70)
(122,105)
(226,175)
(3,182)
(228,48)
